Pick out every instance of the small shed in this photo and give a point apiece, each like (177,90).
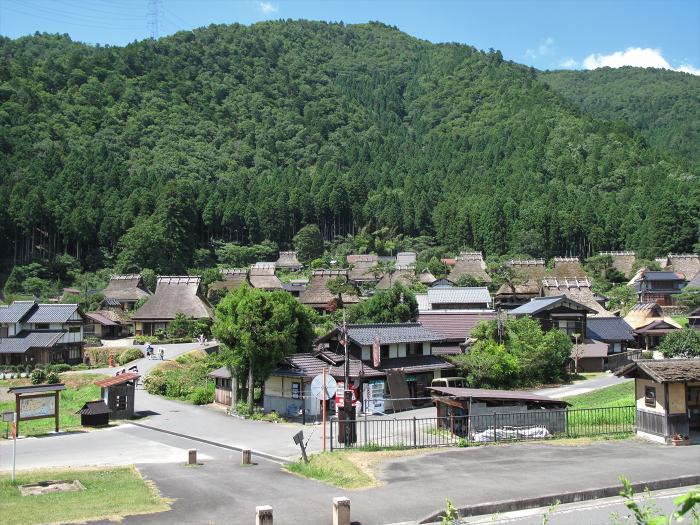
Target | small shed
(118,393)
(667,395)
(94,414)
(222,382)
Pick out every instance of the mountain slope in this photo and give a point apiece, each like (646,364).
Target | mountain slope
(246,133)
(664,105)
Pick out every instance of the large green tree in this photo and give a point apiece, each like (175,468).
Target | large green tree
(683,343)
(259,328)
(308,242)
(395,305)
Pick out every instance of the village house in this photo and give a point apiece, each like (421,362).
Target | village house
(649,324)
(686,264)
(233,278)
(320,298)
(622,261)
(295,286)
(667,395)
(262,275)
(657,287)
(406,259)
(615,332)
(526,286)
(426,277)
(404,274)
(471,264)
(557,312)
(40,333)
(109,322)
(577,288)
(127,290)
(174,295)
(364,269)
(568,267)
(288,261)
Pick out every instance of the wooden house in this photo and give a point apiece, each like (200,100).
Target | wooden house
(288,261)
(107,323)
(508,297)
(222,385)
(471,264)
(667,395)
(174,295)
(126,290)
(650,324)
(262,275)
(657,287)
(319,297)
(577,288)
(558,312)
(622,261)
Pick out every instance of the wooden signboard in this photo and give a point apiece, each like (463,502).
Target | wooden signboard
(37,402)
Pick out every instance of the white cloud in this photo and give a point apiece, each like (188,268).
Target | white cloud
(636,57)
(268,7)
(544,48)
(568,63)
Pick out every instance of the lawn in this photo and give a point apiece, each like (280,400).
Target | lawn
(609,420)
(110,493)
(334,468)
(613,396)
(79,389)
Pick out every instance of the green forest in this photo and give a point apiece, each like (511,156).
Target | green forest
(153,154)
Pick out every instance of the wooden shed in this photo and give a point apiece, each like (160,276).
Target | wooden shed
(94,414)
(118,394)
(222,382)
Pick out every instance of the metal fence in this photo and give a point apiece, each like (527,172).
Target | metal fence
(616,361)
(390,432)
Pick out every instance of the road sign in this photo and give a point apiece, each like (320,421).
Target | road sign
(317,387)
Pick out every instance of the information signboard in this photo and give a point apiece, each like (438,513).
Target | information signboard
(37,407)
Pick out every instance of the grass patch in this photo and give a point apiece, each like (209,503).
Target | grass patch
(79,389)
(334,468)
(681,320)
(110,493)
(613,396)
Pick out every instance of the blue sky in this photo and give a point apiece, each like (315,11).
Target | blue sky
(547,34)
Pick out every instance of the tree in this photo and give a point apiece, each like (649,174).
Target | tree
(503,273)
(468,280)
(259,328)
(689,298)
(308,242)
(395,305)
(683,343)
(181,326)
(621,297)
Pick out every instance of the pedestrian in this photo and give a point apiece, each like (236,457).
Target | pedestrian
(162,353)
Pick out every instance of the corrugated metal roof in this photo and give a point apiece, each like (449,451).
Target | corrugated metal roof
(52,313)
(15,312)
(26,340)
(536,305)
(459,295)
(423,302)
(416,363)
(482,393)
(609,329)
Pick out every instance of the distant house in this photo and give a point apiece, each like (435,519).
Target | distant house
(364,269)
(578,289)
(126,289)
(567,267)
(174,295)
(455,298)
(233,278)
(686,264)
(36,333)
(406,275)
(288,261)
(650,324)
(319,297)
(426,277)
(107,323)
(295,286)
(509,297)
(443,282)
(657,287)
(406,259)
(471,264)
(529,269)
(560,312)
(262,275)
(615,332)
(622,261)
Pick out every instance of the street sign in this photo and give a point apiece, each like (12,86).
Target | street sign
(8,416)
(317,387)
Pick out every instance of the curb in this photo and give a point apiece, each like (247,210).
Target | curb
(565,497)
(271,457)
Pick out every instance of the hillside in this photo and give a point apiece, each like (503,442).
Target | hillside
(664,105)
(248,133)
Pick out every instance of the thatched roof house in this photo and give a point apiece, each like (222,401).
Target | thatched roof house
(687,264)
(529,269)
(233,278)
(426,277)
(405,258)
(577,289)
(174,294)
(262,275)
(363,268)
(318,296)
(288,261)
(126,289)
(472,264)
(650,324)
(622,261)
(567,267)
(404,275)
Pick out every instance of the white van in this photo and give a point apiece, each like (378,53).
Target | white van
(451,382)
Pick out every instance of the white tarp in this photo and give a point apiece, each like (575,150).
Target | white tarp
(505,433)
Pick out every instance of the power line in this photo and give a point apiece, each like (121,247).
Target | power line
(153,16)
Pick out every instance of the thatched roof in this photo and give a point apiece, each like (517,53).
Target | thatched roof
(126,288)
(686,263)
(577,289)
(526,289)
(317,294)
(426,277)
(405,276)
(472,264)
(406,258)
(662,370)
(262,275)
(174,294)
(234,278)
(567,267)
(288,260)
(530,269)
(644,314)
(622,261)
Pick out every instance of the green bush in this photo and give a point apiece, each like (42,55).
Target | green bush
(161,339)
(129,355)
(38,377)
(52,378)
(202,395)
(91,340)
(647,354)
(60,367)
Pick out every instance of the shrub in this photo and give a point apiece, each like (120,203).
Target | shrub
(91,340)
(683,343)
(52,378)
(60,367)
(38,377)
(129,355)
(202,395)
(647,354)
(28,369)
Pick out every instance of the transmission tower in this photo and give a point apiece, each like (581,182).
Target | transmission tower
(153,17)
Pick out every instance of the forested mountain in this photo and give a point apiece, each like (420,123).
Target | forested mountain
(239,133)
(664,105)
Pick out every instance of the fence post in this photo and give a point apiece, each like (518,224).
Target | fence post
(414,432)
(331,424)
(566,422)
(495,436)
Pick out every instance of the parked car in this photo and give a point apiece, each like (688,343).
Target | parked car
(451,382)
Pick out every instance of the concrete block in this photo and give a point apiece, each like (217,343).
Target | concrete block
(263,515)
(341,511)
(245,456)
(192,456)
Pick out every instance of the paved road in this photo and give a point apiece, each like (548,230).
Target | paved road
(581,387)
(145,365)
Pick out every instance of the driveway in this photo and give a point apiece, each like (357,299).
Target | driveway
(581,387)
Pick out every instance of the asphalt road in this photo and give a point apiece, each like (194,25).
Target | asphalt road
(581,387)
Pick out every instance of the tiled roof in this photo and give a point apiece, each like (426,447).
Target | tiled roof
(661,276)
(663,370)
(364,334)
(100,319)
(26,340)
(313,364)
(118,379)
(608,329)
(416,363)
(15,312)
(174,294)
(94,408)
(423,302)
(459,295)
(456,325)
(539,304)
(125,288)
(52,313)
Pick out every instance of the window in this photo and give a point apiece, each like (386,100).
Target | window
(121,403)
(570,327)
(650,396)
(296,390)
(74,353)
(384,351)
(41,326)
(3,331)
(74,329)
(414,348)
(89,329)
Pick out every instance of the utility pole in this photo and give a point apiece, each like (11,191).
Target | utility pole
(153,16)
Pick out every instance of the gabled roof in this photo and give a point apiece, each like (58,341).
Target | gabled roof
(405,276)
(221,373)
(688,264)
(528,289)
(426,277)
(578,289)
(472,264)
(94,408)
(125,288)
(174,294)
(459,295)
(52,313)
(662,370)
(453,325)
(318,295)
(312,364)
(540,304)
(365,334)
(118,379)
(608,329)
(100,319)
(643,315)
(288,260)
(262,275)
(25,340)
(622,261)
(443,282)
(567,267)
(15,312)
(650,275)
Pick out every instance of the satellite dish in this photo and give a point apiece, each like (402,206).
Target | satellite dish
(317,387)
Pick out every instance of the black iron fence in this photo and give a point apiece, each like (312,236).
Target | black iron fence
(391,432)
